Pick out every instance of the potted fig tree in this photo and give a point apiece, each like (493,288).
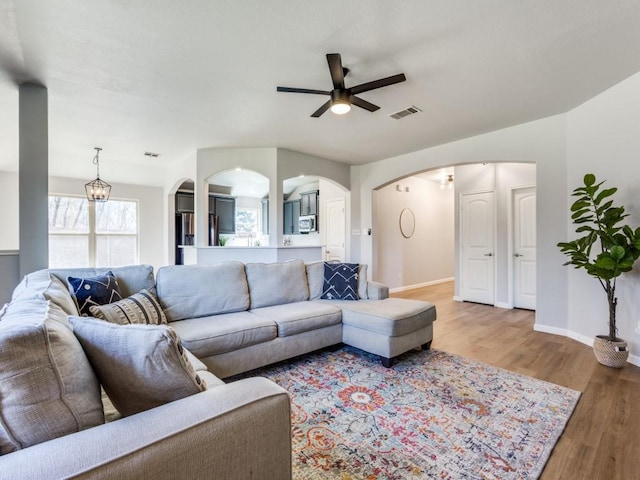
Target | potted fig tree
(605,249)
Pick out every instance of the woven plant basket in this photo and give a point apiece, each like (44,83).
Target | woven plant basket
(610,354)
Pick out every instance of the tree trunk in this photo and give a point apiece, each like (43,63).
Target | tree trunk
(613,303)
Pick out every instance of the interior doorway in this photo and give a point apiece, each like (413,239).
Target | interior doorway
(477,248)
(523,202)
(336,221)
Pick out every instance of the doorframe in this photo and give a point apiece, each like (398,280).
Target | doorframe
(510,226)
(460,255)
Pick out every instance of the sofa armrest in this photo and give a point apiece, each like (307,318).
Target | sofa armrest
(377,291)
(235,431)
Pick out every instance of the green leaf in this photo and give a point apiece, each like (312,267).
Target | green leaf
(580,213)
(603,207)
(580,204)
(589,179)
(605,262)
(617,252)
(607,192)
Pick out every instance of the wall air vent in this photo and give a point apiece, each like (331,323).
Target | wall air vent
(405,113)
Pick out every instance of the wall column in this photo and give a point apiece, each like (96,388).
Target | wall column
(33,178)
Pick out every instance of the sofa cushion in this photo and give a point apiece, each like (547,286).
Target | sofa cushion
(188,291)
(391,317)
(206,336)
(141,308)
(315,279)
(340,281)
(131,278)
(90,291)
(277,283)
(42,285)
(47,386)
(139,366)
(298,317)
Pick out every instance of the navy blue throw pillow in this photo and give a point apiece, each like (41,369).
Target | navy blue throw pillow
(98,290)
(340,281)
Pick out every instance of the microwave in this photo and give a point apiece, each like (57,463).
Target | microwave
(307,223)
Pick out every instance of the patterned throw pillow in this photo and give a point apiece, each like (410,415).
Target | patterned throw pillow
(141,307)
(94,291)
(340,281)
(139,366)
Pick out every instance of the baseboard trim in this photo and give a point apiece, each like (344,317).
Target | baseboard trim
(456,298)
(420,285)
(633,359)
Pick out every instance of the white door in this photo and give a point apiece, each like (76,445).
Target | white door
(335,228)
(524,248)
(477,259)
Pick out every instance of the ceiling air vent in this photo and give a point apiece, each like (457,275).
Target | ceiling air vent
(151,154)
(405,113)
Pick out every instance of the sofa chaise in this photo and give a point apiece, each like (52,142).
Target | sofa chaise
(233,317)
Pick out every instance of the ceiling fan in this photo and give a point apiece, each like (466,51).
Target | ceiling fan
(341,97)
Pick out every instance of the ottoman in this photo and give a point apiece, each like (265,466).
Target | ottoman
(388,327)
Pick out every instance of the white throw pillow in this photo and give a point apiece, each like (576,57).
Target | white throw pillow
(139,366)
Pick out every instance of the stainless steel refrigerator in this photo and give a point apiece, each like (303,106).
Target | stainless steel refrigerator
(185,234)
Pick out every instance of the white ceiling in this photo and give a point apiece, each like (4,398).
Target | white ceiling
(173,76)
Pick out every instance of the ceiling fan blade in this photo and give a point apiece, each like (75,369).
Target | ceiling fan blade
(302,90)
(322,109)
(363,104)
(383,82)
(335,67)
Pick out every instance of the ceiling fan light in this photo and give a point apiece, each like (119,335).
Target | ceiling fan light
(340,108)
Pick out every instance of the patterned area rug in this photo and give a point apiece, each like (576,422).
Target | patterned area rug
(433,415)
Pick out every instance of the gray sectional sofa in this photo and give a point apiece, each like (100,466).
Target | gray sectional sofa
(234,318)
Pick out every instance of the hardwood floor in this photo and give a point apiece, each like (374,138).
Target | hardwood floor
(602,438)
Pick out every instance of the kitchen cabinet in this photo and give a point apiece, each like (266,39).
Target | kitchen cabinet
(309,203)
(291,211)
(225,209)
(184,202)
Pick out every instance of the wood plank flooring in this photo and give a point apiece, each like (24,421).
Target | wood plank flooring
(602,438)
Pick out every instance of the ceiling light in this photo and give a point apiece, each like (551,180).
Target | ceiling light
(97,190)
(340,108)
(340,102)
(447,181)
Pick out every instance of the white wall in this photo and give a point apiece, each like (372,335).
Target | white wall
(9,214)
(603,137)
(428,255)
(499,178)
(150,213)
(543,143)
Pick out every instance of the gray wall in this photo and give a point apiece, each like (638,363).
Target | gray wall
(9,274)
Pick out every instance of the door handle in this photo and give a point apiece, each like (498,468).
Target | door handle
(488,254)
(517,255)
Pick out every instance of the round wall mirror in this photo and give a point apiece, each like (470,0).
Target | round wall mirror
(407,223)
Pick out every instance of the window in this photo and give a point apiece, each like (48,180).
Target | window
(88,234)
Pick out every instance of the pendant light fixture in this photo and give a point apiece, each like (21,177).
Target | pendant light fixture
(97,190)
